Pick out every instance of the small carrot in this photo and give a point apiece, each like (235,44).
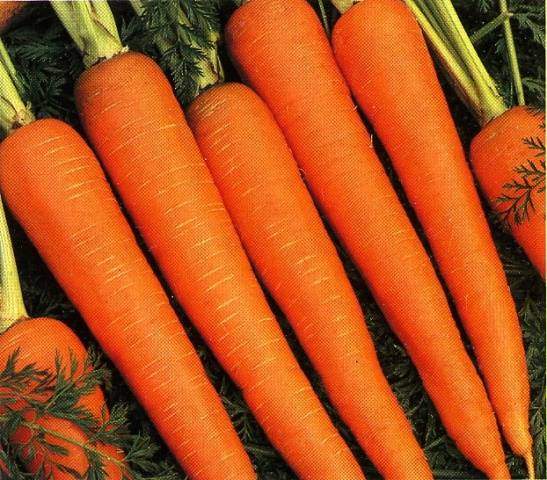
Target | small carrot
(135,124)
(508,157)
(283,52)
(71,215)
(406,106)
(294,256)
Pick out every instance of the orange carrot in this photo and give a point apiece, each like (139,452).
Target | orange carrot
(283,52)
(394,82)
(291,251)
(70,213)
(49,346)
(155,164)
(508,157)
(41,342)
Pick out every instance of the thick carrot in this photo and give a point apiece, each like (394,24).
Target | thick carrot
(283,52)
(41,342)
(508,157)
(395,84)
(285,238)
(70,213)
(136,125)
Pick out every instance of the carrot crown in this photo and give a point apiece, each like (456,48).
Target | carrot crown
(13,111)
(442,26)
(187,43)
(92,27)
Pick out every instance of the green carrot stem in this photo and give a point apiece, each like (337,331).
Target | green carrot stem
(512,52)
(490,104)
(489,27)
(12,307)
(208,64)
(455,68)
(13,111)
(91,25)
(344,5)
(324,17)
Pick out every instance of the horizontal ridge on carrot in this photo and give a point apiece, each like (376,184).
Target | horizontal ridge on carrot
(71,215)
(135,124)
(394,82)
(283,53)
(283,234)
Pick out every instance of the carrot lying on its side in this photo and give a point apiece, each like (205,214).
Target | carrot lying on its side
(394,82)
(283,52)
(508,153)
(47,345)
(71,215)
(283,234)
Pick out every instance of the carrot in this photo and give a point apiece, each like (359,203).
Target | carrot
(72,217)
(137,127)
(9,10)
(406,106)
(286,240)
(284,54)
(508,157)
(48,345)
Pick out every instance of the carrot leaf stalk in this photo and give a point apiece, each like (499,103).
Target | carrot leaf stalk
(512,52)
(92,27)
(188,49)
(13,111)
(489,27)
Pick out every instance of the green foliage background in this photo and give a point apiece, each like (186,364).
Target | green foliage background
(49,65)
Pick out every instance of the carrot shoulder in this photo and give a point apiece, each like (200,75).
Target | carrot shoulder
(70,213)
(284,54)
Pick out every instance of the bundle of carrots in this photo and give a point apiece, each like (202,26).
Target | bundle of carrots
(231,194)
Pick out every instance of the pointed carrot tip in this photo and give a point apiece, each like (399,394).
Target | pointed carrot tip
(529,459)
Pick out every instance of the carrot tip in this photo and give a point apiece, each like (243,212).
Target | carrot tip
(529,459)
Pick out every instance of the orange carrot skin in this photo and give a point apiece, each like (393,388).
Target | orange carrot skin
(282,51)
(136,125)
(71,215)
(285,238)
(495,153)
(394,82)
(39,342)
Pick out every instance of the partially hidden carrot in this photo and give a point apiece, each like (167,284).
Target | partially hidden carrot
(508,157)
(285,238)
(282,51)
(71,215)
(394,82)
(135,124)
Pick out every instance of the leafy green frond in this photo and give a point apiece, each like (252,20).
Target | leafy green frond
(186,34)
(30,395)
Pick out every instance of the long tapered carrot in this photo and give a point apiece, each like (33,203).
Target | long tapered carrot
(130,113)
(290,248)
(71,215)
(395,84)
(283,52)
(508,157)
(46,344)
